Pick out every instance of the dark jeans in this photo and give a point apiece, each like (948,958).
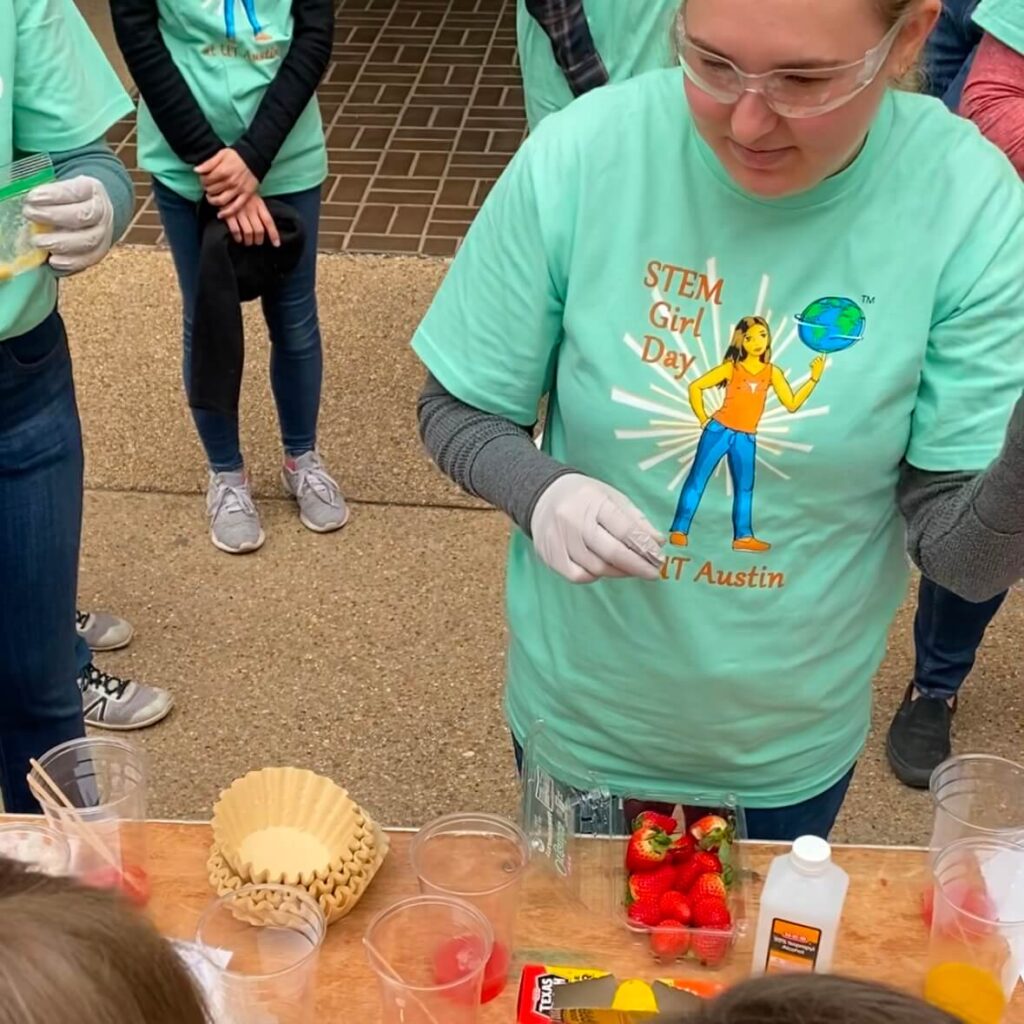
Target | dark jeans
(949,52)
(947,632)
(40,531)
(296,356)
(813,817)
(83,656)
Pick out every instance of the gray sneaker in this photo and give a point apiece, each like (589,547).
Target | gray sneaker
(103,631)
(121,704)
(234,522)
(322,506)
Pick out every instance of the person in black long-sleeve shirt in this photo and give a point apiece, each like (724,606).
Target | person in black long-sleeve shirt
(228,114)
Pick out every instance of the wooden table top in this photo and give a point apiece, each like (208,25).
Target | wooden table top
(883,936)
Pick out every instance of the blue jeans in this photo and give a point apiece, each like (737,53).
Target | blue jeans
(947,632)
(250,13)
(813,817)
(950,50)
(40,532)
(718,442)
(296,355)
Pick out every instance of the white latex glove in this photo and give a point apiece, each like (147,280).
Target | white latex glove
(78,221)
(585,530)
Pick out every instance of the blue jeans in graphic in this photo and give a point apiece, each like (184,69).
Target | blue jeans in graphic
(950,50)
(947,633)
(717,443)
(250,13)
(40,531)
(296,355)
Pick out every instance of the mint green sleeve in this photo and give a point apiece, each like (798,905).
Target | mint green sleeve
(492,333)
(1003,19)
(973,370)
(66,95)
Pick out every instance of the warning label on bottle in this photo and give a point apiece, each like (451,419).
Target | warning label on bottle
(792,947)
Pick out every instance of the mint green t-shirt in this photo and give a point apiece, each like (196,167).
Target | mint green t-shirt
(229,51)
(631,36)
(611,277)
(1003,19)
(57,93)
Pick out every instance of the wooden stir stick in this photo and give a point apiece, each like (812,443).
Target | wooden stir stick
(46,790)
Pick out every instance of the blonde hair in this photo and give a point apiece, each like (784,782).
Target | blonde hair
(72,955)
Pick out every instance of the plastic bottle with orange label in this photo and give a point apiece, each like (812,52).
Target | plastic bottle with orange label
(801,906)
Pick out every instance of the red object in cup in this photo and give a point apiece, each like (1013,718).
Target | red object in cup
(458,958)
(970,898)
(133,882)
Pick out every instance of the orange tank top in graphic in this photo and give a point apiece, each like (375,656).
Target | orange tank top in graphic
(745,396)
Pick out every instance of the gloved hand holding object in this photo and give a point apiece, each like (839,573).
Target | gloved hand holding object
(77,221)
(586,530)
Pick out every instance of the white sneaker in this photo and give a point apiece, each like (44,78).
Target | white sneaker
(234,522)
(121,704)
(322,507)
(103,631)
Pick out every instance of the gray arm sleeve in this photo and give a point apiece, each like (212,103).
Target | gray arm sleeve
(487,455)
(966,531)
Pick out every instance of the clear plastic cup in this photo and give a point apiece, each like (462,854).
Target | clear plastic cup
(104,778)
(977,939)
(481,859)
(40,848)
(429,955)
(977,795)
(263,945)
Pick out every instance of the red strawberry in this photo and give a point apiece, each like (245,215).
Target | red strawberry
(675,907)
(711,831)
(670,940)
(644,912)
(711,912)
(652,885)
(682,849)
(709,886)
(651,819)
(710,948)
(686,875)
(647,850)
(709,862)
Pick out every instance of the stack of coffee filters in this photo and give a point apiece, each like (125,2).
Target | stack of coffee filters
(289,826)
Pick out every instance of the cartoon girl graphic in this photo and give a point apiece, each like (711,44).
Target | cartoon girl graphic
(250,12)
(746,374)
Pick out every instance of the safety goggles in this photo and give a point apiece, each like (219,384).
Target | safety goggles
(790,92)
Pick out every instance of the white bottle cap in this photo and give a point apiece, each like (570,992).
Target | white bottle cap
(811,855)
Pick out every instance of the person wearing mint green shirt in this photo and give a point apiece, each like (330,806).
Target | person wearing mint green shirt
(58,97)
(568,47)
(228,118)
(777,177)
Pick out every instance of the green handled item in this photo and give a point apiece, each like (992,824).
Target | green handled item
(17,253)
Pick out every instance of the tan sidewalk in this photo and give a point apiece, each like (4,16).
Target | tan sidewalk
(374,655)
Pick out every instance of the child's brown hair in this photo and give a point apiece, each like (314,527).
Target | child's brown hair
(817,999)
(71,955)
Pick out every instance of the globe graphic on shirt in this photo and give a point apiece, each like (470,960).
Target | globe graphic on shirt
(831,324)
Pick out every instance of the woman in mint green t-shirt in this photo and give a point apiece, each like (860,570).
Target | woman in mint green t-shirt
(228,114)
(58,98)
(777,177)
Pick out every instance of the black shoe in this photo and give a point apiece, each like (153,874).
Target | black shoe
(918,740)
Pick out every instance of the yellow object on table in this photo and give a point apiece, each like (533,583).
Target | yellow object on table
(968,992)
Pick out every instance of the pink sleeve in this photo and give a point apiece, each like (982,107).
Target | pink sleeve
(993,97)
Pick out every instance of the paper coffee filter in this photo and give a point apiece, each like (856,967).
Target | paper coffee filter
(337,894)
(289,826)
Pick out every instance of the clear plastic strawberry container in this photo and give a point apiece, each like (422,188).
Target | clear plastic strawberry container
(581,830)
